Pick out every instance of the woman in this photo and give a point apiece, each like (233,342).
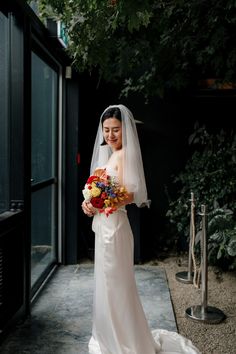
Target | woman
(119,322)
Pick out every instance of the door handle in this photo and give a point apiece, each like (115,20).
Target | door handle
(16,205)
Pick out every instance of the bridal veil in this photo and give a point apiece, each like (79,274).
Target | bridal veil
(133,173)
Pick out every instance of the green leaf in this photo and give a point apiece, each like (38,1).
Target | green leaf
(220,253)
(182,40)
(231,248)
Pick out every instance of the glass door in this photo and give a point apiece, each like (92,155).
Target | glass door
(13,263)
(44,170)
(4,114)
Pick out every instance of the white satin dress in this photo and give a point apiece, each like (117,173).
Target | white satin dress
(119,322)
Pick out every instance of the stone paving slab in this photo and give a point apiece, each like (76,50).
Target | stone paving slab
(61,318)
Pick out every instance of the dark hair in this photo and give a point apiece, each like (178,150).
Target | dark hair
(111,113)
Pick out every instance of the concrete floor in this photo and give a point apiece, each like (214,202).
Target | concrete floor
(61,319)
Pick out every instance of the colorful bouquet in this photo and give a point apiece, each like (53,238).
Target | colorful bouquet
(104,192)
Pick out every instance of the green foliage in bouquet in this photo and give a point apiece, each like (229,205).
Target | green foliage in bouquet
(210,174)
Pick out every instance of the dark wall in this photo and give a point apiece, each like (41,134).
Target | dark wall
(93,100)
(164,143)
(71,172)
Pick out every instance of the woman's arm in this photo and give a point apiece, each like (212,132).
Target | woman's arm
(128,200)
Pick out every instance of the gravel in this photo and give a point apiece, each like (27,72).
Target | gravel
(209,338)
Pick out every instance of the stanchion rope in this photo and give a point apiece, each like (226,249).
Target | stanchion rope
(196,270)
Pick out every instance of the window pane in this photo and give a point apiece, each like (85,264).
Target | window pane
(44,105)
(43,231)
(4,115)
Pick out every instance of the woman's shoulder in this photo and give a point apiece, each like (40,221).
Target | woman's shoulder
(118,157)
(115,161)
(119,154)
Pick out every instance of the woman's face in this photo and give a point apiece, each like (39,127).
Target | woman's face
(112,132)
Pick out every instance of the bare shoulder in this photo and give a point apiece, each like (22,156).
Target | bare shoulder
(120,153)
(116,160)
(119,156)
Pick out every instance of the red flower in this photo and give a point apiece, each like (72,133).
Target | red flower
(104,195)
(91,179)
(97,202)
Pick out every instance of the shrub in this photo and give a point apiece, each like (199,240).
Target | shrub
(210,173)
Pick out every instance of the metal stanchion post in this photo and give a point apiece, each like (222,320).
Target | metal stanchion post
(204,274)
(203,312)
(187,277)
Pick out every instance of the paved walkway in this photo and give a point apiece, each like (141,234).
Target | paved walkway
(61,318)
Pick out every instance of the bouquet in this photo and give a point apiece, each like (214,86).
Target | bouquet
(104,192)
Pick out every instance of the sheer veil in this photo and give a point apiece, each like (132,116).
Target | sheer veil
(133,173)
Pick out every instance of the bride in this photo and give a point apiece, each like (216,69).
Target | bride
(119,322)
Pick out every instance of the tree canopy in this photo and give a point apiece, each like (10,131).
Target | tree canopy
(150,46)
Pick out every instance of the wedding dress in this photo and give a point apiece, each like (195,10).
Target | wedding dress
(119,322)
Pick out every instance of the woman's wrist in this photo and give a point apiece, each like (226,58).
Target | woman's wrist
(88,209)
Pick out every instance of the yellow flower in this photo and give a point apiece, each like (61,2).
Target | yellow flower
(107,203)
(95,191)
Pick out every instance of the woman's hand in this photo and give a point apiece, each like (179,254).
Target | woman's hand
(128,200)
(88,209)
